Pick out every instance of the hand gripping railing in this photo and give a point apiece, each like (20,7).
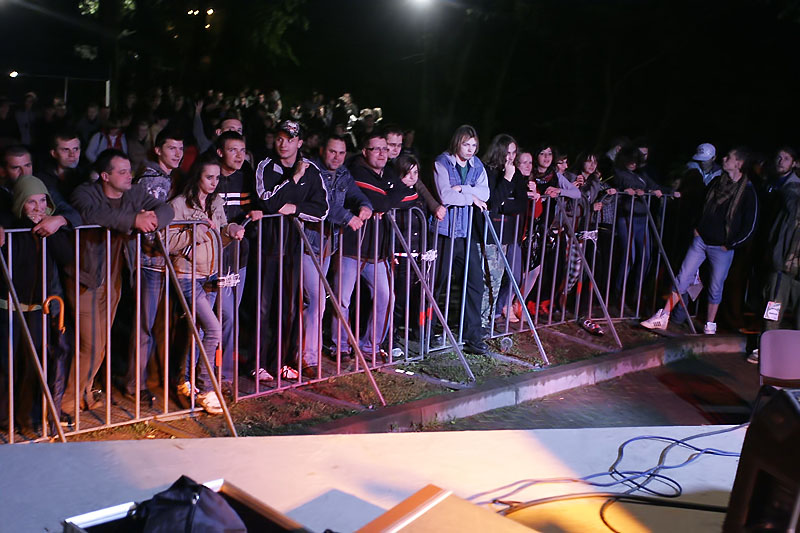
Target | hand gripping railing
(429,294)
(51,406)
(513,283)
(337,309)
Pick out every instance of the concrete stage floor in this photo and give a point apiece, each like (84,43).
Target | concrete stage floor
(342,482)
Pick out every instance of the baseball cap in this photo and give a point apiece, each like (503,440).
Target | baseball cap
(705,152)
(290,127)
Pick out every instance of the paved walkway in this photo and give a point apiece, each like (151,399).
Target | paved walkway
(710,389)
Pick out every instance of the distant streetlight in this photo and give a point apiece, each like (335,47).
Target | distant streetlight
(13,74)
(209,12)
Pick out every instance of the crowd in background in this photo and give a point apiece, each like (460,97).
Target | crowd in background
(231,164)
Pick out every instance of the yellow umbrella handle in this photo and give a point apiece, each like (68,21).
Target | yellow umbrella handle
(46,308)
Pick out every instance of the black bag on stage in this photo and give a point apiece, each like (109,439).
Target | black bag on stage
(188,507)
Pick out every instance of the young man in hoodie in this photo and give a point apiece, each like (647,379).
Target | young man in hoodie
(158,179)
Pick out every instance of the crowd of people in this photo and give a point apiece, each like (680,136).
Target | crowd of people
(266,198)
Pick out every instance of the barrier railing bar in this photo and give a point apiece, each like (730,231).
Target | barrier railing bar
(429,294)
(337,309)
(196,334)
(33,354)
(515,287)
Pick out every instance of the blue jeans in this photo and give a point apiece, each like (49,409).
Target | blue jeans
(720,260)
(206,321)
(150,333)
(639,254)
(313,309)
(228,334)
(376,277)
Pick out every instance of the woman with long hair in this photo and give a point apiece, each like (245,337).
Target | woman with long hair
(552,186)
(598,197)
(199,201)
(507,199)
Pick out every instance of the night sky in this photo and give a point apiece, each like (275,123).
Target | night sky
(576,73)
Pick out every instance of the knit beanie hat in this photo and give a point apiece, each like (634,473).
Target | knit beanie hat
(24,188)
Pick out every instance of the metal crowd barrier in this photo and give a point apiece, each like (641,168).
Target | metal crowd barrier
(558,241)
(558,265)
(115,409)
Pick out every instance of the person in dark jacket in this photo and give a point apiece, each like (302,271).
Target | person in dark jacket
(408,293)
(237,190)
(349,210)
(365,252)
(288,185)
(598,215)
(632,219)
(31,204)
(783,283)
(507,198)
(16,162)
(728,220)
(115,203)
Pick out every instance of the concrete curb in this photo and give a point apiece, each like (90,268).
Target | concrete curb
(513,390)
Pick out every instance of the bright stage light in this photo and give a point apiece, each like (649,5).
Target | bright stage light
(209,12)
(421,4)
(13,74)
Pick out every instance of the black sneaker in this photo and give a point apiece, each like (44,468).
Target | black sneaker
(476,346)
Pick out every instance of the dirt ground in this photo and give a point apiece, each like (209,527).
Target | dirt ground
(297,411)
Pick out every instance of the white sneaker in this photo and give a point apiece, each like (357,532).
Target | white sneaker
(288,372)
(710,329)
(185,388)
(753,357)
(660,320)
(210,403)
(262,374)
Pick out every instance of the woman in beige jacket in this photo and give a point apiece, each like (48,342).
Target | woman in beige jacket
(199,202)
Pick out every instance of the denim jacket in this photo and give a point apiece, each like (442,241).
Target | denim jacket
(341,190)
(476,184)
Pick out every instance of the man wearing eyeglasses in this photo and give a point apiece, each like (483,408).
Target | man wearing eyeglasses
(380,186)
